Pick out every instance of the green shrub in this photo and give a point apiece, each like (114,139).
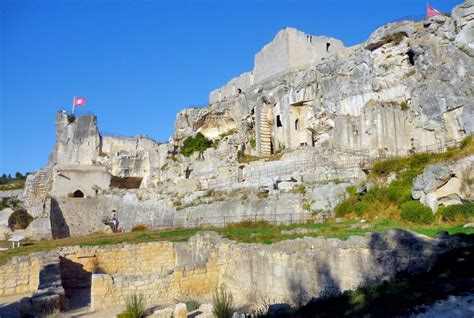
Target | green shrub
(456,213)
(307,206)
(198,143)
(71,118)
(385,167)
(253,142)
(343,208)
(134,307)
(360,208)
(192,305)
(20,219)
(404,106)
(222,304)
(228,133)
(415,212)
(419,160)
(398,192)
(398,37)
(465,142)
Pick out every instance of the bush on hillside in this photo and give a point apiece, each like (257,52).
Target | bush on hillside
(343,208)
(456,213)
(198,143)
(19,220)
(415,212)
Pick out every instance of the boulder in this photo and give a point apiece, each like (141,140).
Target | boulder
(430,200)
(180,311)
(433,177)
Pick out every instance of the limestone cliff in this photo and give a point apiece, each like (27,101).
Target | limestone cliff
(315,112)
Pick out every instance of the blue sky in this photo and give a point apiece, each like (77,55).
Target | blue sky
(139,62)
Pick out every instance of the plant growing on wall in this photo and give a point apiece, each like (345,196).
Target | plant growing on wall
(71,118)
(253,142)
(198,143)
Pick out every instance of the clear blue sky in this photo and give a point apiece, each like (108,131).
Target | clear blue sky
(139,62)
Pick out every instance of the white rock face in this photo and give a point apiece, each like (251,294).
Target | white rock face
(443,185)
(313,111)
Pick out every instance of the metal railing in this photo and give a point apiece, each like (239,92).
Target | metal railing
(221,221)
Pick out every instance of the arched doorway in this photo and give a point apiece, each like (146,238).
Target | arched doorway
(78,194)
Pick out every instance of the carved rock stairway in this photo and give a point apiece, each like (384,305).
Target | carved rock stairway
(265,134)
(37,187)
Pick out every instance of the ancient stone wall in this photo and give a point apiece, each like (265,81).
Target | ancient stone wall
(22,273)
(287,272)
(80,216)
(292,271)
(88,180)
(153,269)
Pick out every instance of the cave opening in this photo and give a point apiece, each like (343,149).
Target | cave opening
(411,57)
(78,194)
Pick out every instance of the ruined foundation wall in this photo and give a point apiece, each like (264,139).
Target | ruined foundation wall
(152,269)
(22,273)
(287,272)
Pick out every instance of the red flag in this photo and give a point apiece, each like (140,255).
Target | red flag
(79,101)
(431,12)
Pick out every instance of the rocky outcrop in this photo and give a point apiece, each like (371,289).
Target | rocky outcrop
(445,185)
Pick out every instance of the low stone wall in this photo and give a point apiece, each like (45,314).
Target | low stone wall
(290,272)
(21,274)
(158,270)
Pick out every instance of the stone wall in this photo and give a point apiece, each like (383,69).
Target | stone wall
(290,272)
(88,179)
(22,273)
(81,216)
(289,49)
(153,269)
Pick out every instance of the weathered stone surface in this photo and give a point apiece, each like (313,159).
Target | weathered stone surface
(326,197)
(440,185)
(386,33)
(433,177)
(180,311)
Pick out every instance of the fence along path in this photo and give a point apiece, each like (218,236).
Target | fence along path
(320,160)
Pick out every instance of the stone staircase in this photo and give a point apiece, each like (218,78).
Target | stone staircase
(265,134)
(36,187)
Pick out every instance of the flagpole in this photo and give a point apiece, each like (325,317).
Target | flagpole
(73,100)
